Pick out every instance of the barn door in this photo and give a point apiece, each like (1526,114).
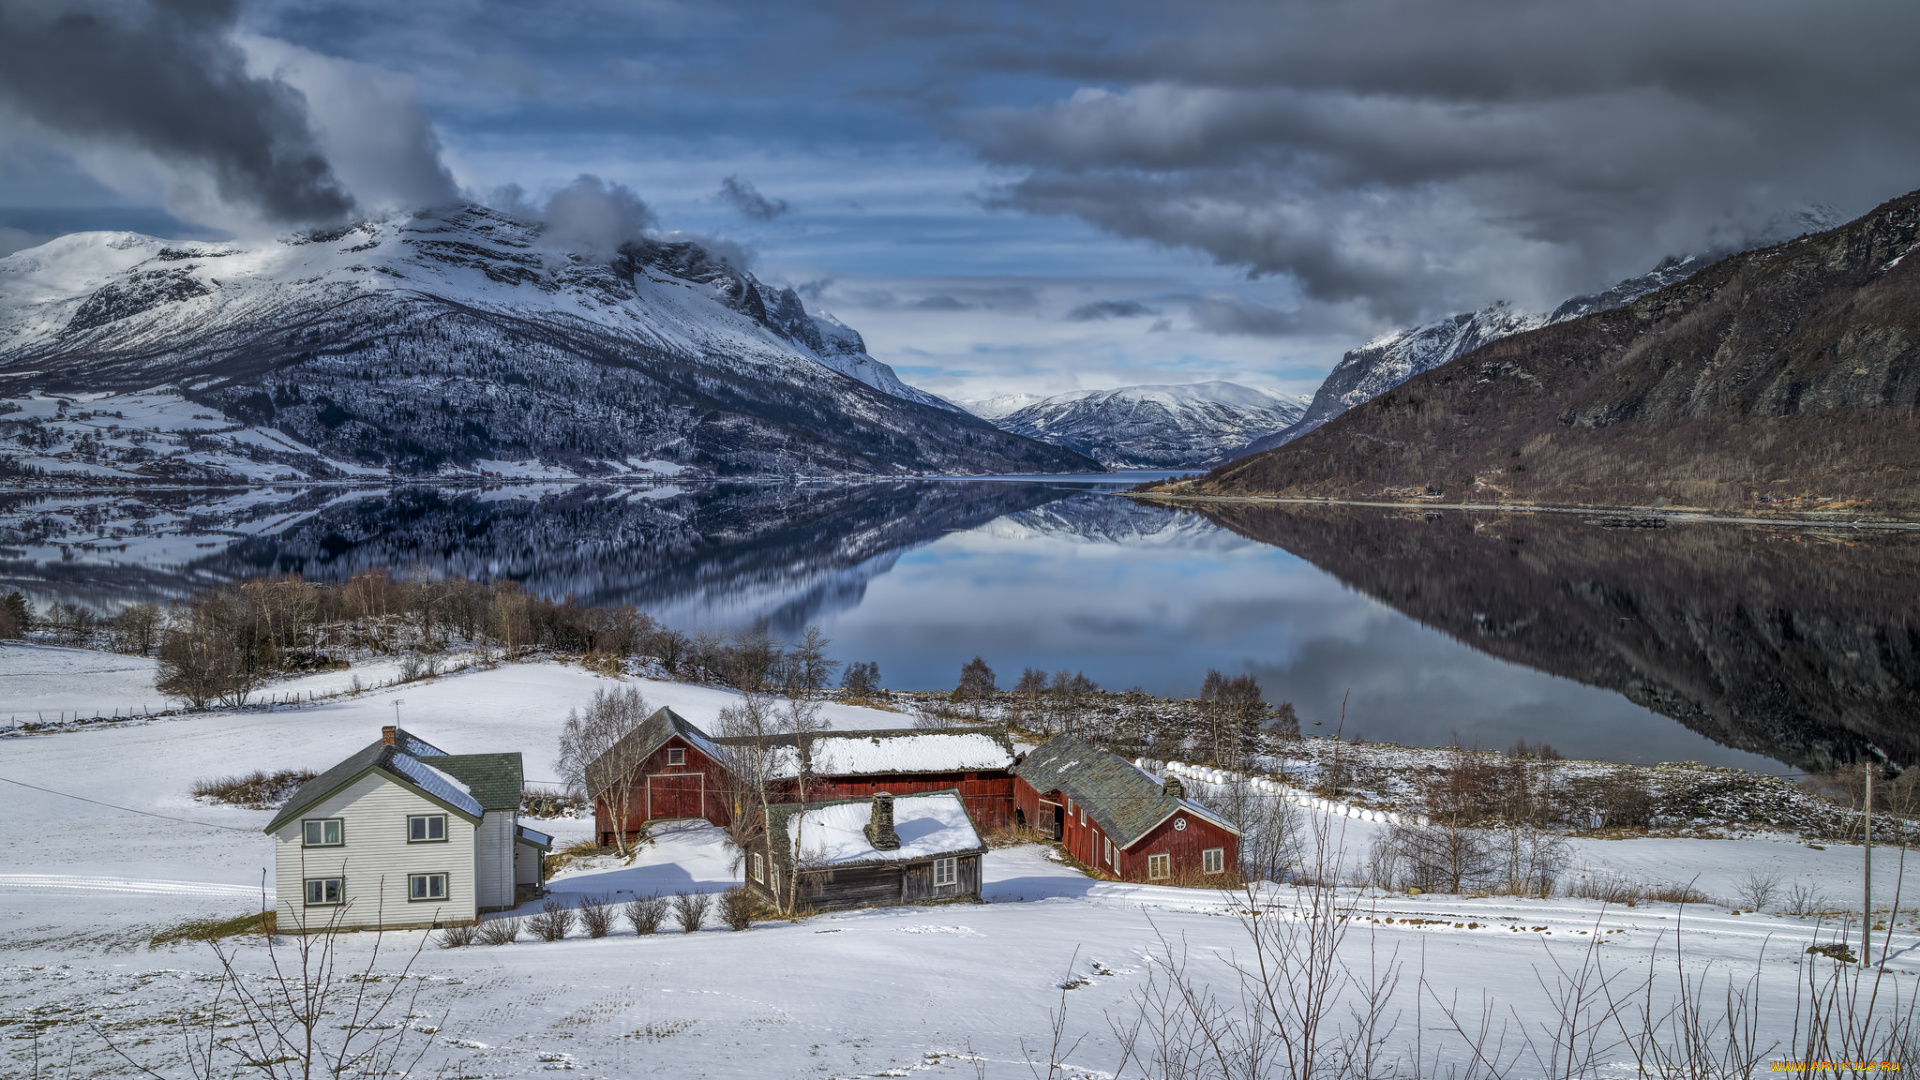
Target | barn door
(675,795)
(1052,817)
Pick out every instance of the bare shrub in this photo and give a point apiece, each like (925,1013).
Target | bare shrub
(459,935)
(1608,889)
(1755,891)
(552,922)
(257,790)
(499,931)
(1803,900)
(738,907)
(1677,894)
(646,913)
(596,915)
(690,909)
(1434,858)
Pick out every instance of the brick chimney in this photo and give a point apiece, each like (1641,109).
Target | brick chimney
(387,734)
(880,830)
(1174,788)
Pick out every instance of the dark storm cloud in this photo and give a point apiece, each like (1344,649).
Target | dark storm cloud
(1109,309)
(166,77)
(744,197)
(1414,155)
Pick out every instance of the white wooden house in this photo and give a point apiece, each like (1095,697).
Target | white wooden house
(404,834)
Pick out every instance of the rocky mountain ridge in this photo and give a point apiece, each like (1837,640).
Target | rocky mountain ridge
(1782,378)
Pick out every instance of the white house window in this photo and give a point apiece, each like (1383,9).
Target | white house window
(426,828)
(676,757)
(322,832)
(426,886)
(1214,860)
(1109,853)
(945,872)
(759,868)
(324,892)
(1083,817)
(1159,867)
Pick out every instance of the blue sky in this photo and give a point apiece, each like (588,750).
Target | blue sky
(1003,196)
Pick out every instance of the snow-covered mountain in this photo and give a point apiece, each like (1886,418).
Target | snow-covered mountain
(1154,427)
(439,340)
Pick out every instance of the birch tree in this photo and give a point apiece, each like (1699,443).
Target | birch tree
(597,760)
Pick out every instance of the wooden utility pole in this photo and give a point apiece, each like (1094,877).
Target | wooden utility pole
(1866,927)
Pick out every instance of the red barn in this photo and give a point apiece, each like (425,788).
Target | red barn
(669,769)
(976,762)
(1118,819)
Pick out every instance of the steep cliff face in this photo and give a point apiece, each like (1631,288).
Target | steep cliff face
(1786,376)
(446,338)
(1796,645)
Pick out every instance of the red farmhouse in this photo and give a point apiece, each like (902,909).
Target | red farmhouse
(1119,819)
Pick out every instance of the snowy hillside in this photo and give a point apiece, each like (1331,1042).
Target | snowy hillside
(1154,427)
(447,339)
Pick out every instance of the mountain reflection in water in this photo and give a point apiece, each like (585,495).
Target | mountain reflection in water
(1768,642)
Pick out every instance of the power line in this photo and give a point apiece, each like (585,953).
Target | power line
(127,809)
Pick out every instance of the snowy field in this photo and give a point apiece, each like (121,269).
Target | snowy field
(932,991)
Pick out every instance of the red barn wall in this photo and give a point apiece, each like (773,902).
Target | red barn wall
(1184,845)
(710,802)
(988,795)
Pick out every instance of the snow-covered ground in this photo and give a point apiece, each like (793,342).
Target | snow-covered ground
(884,992)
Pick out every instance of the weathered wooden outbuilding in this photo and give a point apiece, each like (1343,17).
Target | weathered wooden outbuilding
(666,768)
(887,849)
(1120,819)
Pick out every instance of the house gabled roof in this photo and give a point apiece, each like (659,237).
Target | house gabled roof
(930,824)
(1127,802)
(640,743)
(408,770)
(890,751)
(495,780)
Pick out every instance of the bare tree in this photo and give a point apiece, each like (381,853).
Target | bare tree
(597,761)
(306,1018)
(861,680)
(756,761)
(802,721)
(807,666)
(976,684)
(136,629)
(1030,692)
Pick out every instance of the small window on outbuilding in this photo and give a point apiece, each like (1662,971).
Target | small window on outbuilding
(426,887)
(676,756)
(426,828)
(322,832)
(759,868)
(1214,860)
(1159,867)
(325,892)
(946,872)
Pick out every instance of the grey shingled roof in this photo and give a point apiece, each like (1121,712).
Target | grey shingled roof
(1125,801)
(494,779)
(635,746)
(424,774)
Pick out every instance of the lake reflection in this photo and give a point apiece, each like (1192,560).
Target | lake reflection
(1482,628)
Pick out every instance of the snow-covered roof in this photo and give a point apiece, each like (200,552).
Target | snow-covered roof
(867,753)
(930,825)
(436,783)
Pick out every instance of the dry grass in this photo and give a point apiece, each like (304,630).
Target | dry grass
(202,930)
(257,790)
(574,852)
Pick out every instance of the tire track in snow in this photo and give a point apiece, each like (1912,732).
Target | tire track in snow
(70,883)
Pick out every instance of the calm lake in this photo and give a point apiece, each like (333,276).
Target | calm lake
(1769,648)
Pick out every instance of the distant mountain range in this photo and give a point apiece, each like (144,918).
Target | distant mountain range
(1786,377)
(1147,427)
(441,341)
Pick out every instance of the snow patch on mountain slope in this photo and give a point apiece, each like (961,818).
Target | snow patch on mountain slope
(1154,427)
